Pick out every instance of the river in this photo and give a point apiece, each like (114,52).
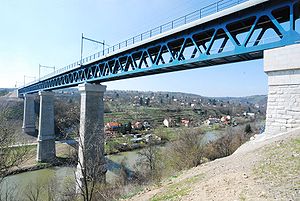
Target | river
(63,174)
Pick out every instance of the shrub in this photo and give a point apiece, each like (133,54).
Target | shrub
(187,151)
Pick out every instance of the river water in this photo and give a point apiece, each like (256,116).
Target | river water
(62,174)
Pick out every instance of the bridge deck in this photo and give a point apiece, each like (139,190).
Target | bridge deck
(234,34)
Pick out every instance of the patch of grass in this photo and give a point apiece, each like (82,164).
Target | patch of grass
(132,193)
(41,165)
(282,159)
(297,141)
(172,194)
(164,133)
(280,166)
(242,197)
(206,128)
(177,190)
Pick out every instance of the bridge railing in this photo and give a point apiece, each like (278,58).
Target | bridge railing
(198,14)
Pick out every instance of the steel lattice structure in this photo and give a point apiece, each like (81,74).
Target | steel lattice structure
(225,37)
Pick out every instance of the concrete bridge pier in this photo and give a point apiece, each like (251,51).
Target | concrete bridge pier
(29,114)
(91,160)
(282,66)
(46,138)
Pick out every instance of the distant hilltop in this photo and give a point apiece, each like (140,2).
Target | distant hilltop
(175,96)
(125,94)
(8,92)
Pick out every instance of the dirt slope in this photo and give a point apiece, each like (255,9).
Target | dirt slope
(266,168)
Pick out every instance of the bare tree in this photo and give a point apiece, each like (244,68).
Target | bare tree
(226,145)
(52,191)
(33,192)
(149,162)
(68,191)
(8,192)
(10,156)
(187,151)
(91,168)
(67,117)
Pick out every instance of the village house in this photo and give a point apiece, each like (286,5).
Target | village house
(226,120)
(150,137)
(138,125)
(169,122)
(185,122)
(112,126)
(109,134)
(249,114)
(146,125)
(211,121)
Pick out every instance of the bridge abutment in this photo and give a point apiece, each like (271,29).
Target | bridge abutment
(46,138)
(91,159)
(282,66)
(29,114)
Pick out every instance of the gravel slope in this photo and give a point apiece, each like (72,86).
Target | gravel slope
(265,168)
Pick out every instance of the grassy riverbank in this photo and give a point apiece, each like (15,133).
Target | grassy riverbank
(64,153)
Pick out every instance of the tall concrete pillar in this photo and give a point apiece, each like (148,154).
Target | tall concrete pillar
(29,114)
(46,137)
(282,66)
(91,160)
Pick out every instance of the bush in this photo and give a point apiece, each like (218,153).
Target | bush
(187,151)
(149,164)
(248,129)
(12,110)
(67,117)
(225,145)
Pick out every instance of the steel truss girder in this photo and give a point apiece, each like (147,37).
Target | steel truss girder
(217,42)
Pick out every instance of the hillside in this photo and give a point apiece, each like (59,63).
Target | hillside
(6,91)
(262,169)
(139,106)
(164,97)
(154,107)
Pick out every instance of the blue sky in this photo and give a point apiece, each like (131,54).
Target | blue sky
(37,32)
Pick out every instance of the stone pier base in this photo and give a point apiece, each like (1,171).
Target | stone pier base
(46,138)
(91,142)
(282,66)
(29,114)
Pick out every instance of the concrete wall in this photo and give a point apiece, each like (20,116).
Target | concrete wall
(282,66)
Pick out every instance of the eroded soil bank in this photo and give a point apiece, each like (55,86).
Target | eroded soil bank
(266,168)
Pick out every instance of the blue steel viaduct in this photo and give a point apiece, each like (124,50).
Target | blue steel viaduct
(225,32)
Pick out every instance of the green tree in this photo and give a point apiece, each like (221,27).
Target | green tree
(248,129)
(147,101)
(141,101)
(129,127)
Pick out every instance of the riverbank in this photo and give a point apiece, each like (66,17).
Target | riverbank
(66,153)
(63,177)
(66,156)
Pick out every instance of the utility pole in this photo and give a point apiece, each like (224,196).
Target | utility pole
(92,40)
(40,66)
(25,76)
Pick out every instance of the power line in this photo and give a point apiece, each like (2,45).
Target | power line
(92,40)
